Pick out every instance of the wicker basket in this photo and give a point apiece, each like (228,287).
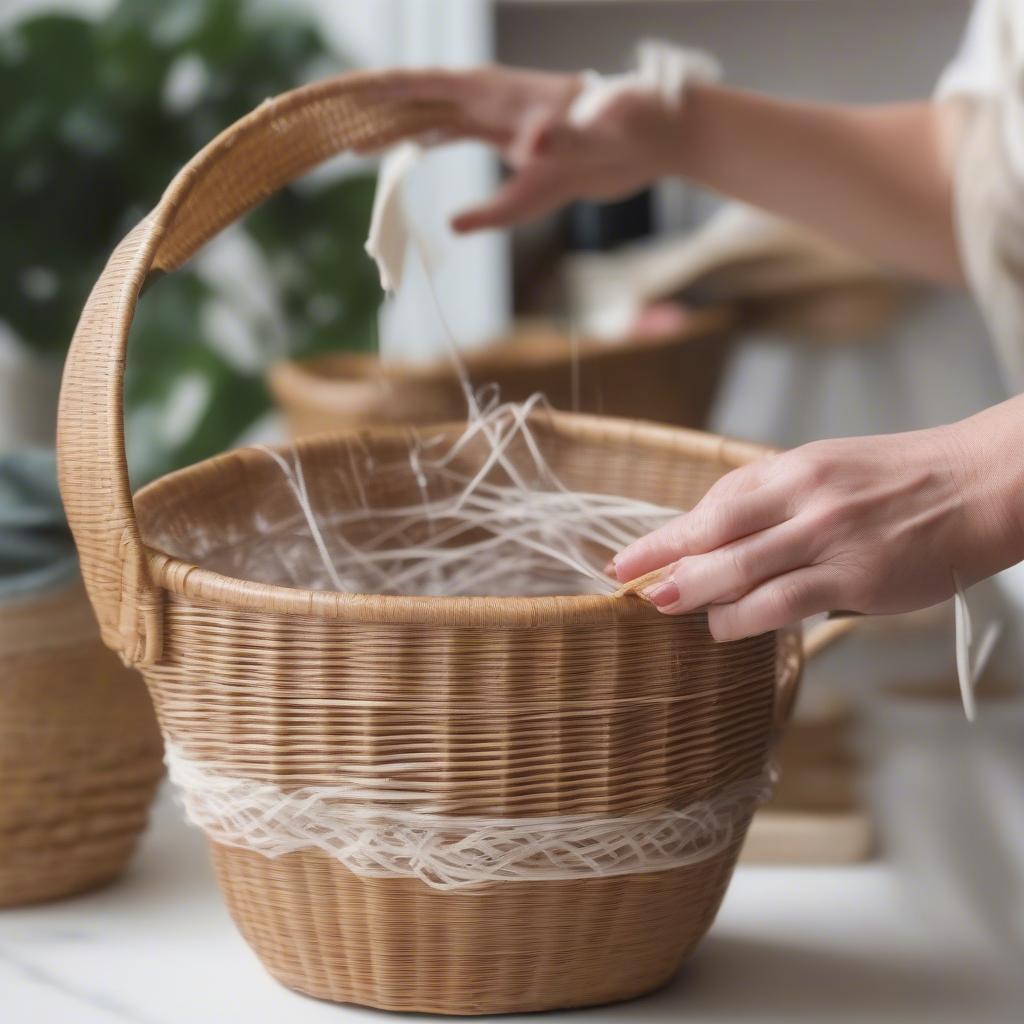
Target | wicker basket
(507,706)
(80,752)
(671,378)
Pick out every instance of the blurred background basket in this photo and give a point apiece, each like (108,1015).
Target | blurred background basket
(669,378)
(80,752)
(509,707)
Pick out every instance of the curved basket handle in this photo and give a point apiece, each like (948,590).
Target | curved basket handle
(795,650)
(280,140)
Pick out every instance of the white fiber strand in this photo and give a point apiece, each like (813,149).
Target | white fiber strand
(381,833)
(971,660)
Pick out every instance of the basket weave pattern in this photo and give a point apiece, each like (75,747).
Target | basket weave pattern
(520,947)
(490,705)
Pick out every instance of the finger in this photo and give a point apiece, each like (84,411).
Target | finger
(547,131)
(535,127)
(740,481)
(714,522)
(522,196)
(536,137)
(781,601)
(728,573)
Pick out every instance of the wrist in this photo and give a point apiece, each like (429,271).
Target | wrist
(675,76)
(687,129)
(665,131)
(986,454)
(689,151)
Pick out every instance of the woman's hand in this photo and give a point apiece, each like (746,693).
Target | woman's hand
(874,179)
(873,524)
(628,143)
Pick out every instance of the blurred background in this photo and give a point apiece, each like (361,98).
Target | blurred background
(142,86)
(771,334)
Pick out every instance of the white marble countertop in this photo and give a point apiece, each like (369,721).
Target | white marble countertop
(932,931)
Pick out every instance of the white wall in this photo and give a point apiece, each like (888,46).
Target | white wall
(472,276)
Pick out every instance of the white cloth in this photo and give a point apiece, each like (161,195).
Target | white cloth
(660,67)
(388,240)
(974,71)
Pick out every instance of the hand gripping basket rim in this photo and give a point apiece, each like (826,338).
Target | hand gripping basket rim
(183,577)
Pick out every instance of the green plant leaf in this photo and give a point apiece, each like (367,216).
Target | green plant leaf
(86,152)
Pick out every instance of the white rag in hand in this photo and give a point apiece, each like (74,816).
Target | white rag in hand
(660,68)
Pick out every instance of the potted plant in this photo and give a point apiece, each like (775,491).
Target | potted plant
(96,115)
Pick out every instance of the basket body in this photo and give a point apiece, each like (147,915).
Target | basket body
(80,752)
(669,379)
(511,707)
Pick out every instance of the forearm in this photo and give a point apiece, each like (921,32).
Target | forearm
(873,178)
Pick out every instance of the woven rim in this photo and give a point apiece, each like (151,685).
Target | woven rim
(190,580)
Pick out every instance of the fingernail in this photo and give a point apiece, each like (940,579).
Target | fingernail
(609,569)
(663,594)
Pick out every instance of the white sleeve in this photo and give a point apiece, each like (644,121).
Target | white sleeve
(982,92)
(990,68)
(975,70)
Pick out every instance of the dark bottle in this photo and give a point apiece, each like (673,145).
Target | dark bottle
(597,227)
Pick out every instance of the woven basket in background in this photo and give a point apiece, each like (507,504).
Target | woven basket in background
(80,752)
(671,378)
(505,707)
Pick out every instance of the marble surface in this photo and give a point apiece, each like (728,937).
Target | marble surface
(932,931)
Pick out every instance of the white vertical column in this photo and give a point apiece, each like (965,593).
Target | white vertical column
(472,278)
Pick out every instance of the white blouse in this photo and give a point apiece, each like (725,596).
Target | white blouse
(983,92)
(990,65)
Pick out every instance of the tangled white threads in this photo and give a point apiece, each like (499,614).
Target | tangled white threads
(492,516)
(371,834)
(503,525)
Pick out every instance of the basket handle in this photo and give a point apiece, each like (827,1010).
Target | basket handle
(274,144)
(795,650)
